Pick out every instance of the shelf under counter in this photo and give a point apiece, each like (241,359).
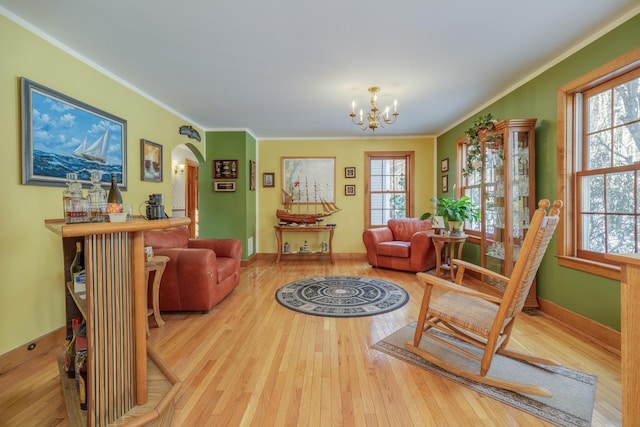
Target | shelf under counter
(162,386)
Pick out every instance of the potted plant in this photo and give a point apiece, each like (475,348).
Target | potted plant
(455,211)
(482,131)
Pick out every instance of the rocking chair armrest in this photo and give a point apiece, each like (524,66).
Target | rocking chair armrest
(464,265)
(446,285)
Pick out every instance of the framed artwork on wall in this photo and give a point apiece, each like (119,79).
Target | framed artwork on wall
(349,190)
(223,186)
(444,165)
(225,169)
(151,158)
(445,183)
(268,179)
(308,179)
(350,172)
(252,175)
(62,135)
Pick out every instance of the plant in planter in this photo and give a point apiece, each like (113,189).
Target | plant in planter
(455,211)
(481,131)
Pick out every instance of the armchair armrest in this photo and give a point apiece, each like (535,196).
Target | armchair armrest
(446,285)
(464,265)
(423,253)
(374,236)
(230,248)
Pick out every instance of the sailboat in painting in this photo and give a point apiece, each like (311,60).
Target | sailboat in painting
(96,151)
(322,209)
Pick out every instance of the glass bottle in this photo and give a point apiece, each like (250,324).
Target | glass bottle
(76,207)
(97,199)
(114,199)
(77,265)
(66,194)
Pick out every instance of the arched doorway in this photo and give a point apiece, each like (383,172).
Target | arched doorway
(184,184)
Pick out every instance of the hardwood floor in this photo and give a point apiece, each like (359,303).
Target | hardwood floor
(253,362)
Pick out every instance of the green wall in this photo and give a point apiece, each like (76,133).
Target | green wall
(592,296)
(229,214)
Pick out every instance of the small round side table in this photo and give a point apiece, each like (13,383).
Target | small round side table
(439,242)
(156,264)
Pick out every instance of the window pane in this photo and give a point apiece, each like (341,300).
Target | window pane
(599,150)
(593,233)
(593,193)
(620,190)
(599,111)
(376,182)
(625,145)
(627,102)
(621,234)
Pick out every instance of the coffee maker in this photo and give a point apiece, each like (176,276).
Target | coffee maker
(155,210)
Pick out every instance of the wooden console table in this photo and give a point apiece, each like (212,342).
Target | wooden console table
(114,308)
(439,242)
(308,228)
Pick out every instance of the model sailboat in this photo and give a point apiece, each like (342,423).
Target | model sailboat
(96,151)
(322,209)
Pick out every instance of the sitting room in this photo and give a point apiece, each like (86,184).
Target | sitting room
(281,245)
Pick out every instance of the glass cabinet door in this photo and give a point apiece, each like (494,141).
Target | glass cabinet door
(520,161)
(495,238)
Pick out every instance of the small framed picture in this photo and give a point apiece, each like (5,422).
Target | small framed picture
(350,172)
(349,190)
(252,175)
(151,155)
(444,165)
(445,183)
(225,168)
(268,179)
(227,186)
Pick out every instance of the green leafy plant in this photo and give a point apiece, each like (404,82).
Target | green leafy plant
(481,131)
(460,210)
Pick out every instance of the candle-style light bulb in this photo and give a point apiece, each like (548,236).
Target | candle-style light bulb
(353,106)
(395,105)
(361,114)
(386,112)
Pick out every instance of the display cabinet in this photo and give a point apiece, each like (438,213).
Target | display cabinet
(504,187)
(126,381)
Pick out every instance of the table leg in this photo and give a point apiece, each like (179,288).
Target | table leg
(438,256)
(156,295)
(279,243)
(452,248)
(331,245)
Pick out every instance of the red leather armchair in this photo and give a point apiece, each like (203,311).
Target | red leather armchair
(200,272)
(402,245)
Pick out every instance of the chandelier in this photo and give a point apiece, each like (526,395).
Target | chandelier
(374,118)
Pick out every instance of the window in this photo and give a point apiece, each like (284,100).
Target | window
(599,161)
(389,193)
(469,185)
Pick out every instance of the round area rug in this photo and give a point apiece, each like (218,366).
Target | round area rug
(342,296)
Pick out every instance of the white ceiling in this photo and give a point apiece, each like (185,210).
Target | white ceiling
(290,68)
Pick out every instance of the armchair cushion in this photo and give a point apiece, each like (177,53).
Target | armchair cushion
(200,272)
(403,245)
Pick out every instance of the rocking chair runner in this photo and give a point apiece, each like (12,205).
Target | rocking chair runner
(483,320)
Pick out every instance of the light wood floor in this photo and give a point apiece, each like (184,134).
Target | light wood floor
(252,362)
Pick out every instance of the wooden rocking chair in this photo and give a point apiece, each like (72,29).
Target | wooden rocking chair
(483,320)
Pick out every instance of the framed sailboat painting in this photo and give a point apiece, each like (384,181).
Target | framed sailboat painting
(62,135)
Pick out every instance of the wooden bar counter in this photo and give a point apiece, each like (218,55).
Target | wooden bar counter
(630,334)
(114,308)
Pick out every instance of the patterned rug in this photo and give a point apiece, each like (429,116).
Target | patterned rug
(342,296)
(573,392)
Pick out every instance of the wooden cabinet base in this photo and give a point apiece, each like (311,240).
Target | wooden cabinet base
(162,386)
